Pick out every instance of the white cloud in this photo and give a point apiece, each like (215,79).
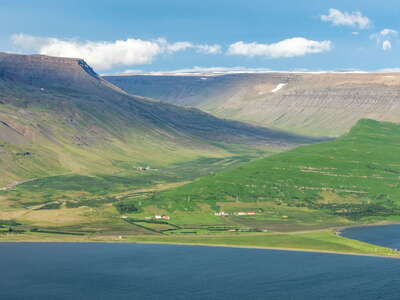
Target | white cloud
(106,55)
(174,47)
(354,19)
(209,49)
(297,46)
(29,42)
(201,71)
(388,70)
(386,45)
(215,71)
(385,38)
(388,32)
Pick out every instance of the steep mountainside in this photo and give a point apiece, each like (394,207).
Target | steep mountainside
(58,116)
(325,104)
(355,177)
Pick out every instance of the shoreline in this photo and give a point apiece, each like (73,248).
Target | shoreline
(380,223)
(339,230)
(266,248)
(201,245)
(126,240)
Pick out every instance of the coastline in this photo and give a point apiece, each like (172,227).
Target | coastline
(381,251)
(338,230)
(380,223)
(199,245)
(267,248)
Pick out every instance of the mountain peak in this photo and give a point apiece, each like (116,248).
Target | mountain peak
(47,71)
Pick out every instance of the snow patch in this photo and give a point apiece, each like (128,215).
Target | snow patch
(278,87)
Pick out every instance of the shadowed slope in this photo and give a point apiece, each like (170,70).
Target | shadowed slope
(57,115)
(325,104)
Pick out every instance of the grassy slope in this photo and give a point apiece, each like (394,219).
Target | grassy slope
(94,142)
(85,203)
(75,189)
(355,177)
(82,138)
(347,184)
(67,130)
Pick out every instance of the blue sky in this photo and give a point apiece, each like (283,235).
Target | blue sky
(158,35)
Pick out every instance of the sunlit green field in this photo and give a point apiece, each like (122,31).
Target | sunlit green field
(354,177)
(292,197)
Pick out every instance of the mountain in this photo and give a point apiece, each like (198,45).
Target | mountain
(319,104)
(355,177)
(58,116)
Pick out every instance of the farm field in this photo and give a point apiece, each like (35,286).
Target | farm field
(354,177)
(291,200)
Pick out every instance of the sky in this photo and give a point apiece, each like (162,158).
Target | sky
(125,36)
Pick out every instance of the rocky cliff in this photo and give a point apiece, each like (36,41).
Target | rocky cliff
(320,104)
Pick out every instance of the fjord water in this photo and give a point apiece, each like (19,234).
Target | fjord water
(383,235)
(134,271)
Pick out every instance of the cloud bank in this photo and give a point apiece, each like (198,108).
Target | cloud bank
(106,55)
(354,19)
(199,71)
(297,46)
(385,38)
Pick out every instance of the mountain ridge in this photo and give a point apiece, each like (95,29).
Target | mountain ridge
(324,104)
(70,119)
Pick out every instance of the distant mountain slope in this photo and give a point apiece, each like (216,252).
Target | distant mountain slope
(354,176)
(58,116)
(325,104)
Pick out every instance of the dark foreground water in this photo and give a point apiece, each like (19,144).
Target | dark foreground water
(128,271)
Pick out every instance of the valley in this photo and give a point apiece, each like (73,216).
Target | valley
(82,159)
(202,150)
(58,117)
(307,198)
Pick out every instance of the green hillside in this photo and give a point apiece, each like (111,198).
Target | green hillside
(57,116)
(351,178)
(74,147)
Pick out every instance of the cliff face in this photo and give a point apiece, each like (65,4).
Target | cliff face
(40,70)
(314,104)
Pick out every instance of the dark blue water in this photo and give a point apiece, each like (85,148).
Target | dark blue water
(129,271)
(387,235)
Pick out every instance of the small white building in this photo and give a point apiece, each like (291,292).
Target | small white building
(221,213)
(245,213)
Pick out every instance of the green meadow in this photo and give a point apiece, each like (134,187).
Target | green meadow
(354,177)
(292,199)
